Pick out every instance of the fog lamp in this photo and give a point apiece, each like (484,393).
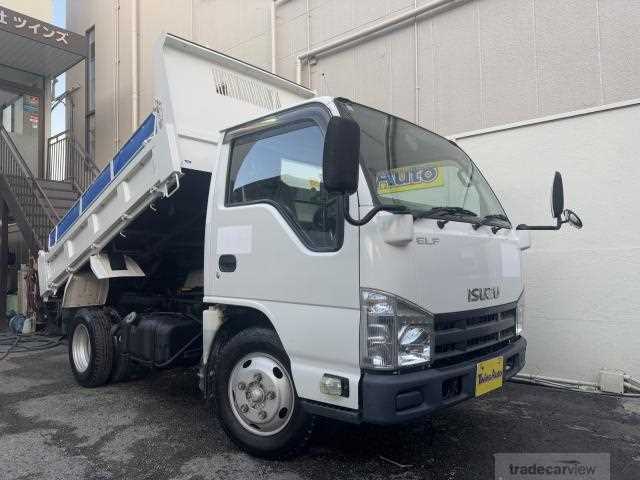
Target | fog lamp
(334,385)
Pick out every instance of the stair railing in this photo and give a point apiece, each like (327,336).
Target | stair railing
(31,198)
(68,161)
(56,157)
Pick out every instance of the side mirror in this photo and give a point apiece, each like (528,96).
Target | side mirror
(561,215)
(572,219)
(557,196)
(340,165)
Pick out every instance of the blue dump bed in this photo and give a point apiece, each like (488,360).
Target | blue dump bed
(104,179)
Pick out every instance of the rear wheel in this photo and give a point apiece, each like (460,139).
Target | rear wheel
(255,398)
(91,348)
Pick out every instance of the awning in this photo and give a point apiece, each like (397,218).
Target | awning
(37,47)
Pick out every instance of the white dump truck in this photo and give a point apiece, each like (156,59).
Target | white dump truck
(313,256)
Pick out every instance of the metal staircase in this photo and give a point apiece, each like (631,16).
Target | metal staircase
(35,204)
(61,194)
(69,162)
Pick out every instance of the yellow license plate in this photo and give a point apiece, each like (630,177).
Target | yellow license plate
(489,375)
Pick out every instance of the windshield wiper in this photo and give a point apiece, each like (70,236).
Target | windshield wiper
(488,218)
(439,211)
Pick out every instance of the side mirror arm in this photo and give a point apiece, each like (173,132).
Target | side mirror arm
(372,213)
(524,226)
(567,216)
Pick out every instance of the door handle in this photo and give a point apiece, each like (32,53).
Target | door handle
(227,263)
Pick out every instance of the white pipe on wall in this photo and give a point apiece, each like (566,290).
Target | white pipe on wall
(134,65)
(298,71)
(365,32)
(309,42)
(116,74)
(274,18)
(416,41)
(273,37)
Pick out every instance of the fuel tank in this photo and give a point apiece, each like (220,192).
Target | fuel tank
(164,339)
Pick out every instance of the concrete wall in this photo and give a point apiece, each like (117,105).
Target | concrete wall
(483,64)
(238,28)
(113,121)
(80,16)
(582,301)
(40,9)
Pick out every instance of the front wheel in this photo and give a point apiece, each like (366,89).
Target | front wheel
(255,398)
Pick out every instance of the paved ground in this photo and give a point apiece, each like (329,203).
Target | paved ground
(158,427)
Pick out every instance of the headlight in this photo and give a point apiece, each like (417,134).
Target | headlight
(520,315)
(394,333)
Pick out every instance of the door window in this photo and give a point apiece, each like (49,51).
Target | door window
(283,167)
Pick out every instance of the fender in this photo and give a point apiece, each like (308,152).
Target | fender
(84,289)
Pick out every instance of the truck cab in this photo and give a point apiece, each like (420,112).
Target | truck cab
(312,257)
(388,305)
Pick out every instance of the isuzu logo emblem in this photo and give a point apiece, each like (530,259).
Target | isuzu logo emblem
(483,294)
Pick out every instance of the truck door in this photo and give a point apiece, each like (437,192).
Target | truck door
(277,241)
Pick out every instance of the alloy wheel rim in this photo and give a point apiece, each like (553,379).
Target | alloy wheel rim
(81,348)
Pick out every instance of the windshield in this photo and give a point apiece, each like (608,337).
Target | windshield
(412,167)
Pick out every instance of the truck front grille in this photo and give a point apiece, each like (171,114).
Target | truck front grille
(463,336)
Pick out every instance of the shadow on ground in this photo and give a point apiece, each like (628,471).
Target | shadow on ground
(158,427)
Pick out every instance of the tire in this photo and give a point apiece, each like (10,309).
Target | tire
(253,373)
(91,348)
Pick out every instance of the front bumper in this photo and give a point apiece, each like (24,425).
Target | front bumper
(389,399)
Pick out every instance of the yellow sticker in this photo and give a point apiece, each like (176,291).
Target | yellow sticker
(489,375)
(414,177)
